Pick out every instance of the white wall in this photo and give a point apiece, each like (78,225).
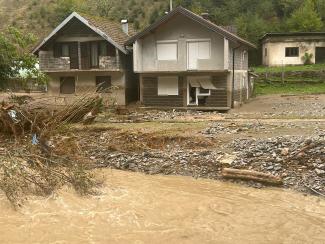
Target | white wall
(276,52)
(182,29)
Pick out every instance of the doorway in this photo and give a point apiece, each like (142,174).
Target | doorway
(320,55)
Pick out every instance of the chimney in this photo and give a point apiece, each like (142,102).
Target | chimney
(125,26)
(205,15)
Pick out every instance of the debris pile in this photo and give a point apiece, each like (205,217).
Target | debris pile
(179,162)
(298,160)
(30,161)
(231,128)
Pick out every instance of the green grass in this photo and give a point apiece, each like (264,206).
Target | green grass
(313,67)
(297,88)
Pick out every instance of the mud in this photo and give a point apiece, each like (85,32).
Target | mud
(136,208)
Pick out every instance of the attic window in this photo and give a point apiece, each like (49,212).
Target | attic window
(292,51)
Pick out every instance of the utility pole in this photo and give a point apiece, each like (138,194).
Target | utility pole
(171,5)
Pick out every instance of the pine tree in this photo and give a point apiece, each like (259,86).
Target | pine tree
(305,18)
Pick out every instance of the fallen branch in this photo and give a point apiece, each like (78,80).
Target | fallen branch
(251,175)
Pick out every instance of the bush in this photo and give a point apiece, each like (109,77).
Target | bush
(307,58)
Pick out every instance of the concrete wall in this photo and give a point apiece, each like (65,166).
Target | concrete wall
(182,29)
(86,82)
(276,51)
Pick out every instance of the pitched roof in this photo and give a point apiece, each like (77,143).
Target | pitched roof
(197,18)
(292,34)
(109,30)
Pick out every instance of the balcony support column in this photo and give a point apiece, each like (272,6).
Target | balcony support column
(79,55)
(117,58)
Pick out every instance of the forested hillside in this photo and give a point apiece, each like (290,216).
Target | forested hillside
(251,17)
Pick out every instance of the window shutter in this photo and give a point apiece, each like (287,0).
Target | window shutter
(167,51)
(168,85)
(57,50)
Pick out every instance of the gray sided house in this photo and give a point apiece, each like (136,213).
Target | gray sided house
(85,52)
(184,60)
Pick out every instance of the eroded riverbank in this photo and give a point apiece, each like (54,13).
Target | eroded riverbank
(137,208)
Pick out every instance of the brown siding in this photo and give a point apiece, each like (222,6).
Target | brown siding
(218,98)
(150,93)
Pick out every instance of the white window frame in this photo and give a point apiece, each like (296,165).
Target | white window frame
(163,91)
(188,41)
(167,42)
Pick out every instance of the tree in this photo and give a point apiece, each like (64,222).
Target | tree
(15,56)
(305,18)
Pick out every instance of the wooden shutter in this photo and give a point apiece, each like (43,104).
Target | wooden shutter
(74,57)
(57,49)
(85,55)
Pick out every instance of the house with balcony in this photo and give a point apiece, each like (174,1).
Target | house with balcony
(85,53)
(185,60)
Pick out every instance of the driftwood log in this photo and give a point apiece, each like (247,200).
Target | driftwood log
(240,174)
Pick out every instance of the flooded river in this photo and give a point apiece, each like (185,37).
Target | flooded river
(136,208)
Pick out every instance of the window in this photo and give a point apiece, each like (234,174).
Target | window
(204,50)
(67,85)
(103,83)
(197,50)
(65,50)
(167,50)
(168,86)
(265,52)
(94,54)
(292,51)
(103,49)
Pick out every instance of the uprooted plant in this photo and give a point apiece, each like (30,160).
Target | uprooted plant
(37,165)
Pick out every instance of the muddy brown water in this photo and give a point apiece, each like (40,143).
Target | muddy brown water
(136,208)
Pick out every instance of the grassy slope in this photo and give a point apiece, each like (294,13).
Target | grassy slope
(294,84)
(314,67)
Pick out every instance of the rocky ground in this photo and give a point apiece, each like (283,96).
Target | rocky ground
(201,144)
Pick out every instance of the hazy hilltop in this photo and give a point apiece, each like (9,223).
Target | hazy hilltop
(251,17)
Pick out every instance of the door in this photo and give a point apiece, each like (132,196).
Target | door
(192,55)
(74,57)
(67,85)
(85,55)
(320,55)
(103,83)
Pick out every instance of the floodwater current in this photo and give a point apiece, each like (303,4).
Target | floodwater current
(137,208)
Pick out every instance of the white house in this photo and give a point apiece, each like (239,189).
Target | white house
(290,48)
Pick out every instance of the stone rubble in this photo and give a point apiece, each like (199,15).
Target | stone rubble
(298,160)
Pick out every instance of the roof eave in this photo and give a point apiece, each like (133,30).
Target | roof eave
(195,18)
(84,21)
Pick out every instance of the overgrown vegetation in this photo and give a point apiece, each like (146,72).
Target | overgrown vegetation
(293,87)
(289,68)
(251,17)
(15,60)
